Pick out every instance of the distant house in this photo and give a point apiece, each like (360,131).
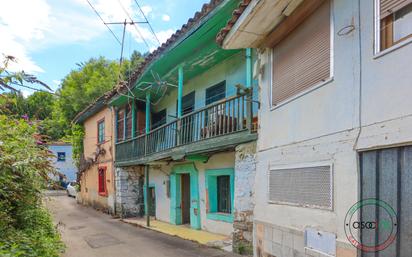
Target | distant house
(62,160)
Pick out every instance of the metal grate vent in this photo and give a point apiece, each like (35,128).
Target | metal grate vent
(307,186)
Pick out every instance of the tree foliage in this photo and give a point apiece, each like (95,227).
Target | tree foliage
(26,227)
(11,80)
(83,85)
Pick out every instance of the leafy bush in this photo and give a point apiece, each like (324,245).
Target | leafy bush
(26,228)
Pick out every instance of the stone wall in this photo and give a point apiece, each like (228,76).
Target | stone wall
(129,192)
(245,170)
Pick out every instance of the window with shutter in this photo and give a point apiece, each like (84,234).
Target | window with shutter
(395,22)
(303,59)
(102,181)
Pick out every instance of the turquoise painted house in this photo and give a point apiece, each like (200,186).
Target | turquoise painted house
(186,126)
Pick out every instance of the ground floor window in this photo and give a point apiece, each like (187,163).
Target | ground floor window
(220,193)
(102,181)
(223,194)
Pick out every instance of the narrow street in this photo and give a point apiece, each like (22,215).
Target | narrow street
(88,233)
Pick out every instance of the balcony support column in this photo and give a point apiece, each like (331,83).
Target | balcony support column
(249,98)
(147,113)
(180,92)
(249,67)
(179,105)
(133,119)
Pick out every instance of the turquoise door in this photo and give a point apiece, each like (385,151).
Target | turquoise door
(176,195)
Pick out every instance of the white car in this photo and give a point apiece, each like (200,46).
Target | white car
(71,189)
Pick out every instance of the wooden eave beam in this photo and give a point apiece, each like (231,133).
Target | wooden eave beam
(303,11)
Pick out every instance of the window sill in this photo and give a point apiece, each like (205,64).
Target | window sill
(226,217)
(104,194)
(307,91)
(392,48)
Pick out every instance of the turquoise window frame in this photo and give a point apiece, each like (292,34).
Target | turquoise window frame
(211,191)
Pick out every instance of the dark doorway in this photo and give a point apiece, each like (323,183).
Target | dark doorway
(152,201)
(185,204)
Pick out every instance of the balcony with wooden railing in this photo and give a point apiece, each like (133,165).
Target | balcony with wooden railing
(215,127)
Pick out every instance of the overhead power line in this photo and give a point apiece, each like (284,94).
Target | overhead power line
(133,23)
(111,31)
(150,26)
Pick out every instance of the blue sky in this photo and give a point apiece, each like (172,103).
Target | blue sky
(49,37)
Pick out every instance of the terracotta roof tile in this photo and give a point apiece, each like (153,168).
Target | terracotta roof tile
(206,9)
(220,37)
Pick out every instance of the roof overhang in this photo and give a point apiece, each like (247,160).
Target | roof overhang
(258,20)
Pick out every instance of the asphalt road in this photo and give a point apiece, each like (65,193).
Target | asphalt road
(88,233)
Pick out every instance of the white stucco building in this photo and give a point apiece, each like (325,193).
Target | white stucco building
(335,123)
(63,161)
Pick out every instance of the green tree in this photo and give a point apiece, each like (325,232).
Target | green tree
(26,226)
(13,103)
(83,85)
(40,105)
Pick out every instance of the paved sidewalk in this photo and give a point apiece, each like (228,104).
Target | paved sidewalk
(89,233)
(185,232)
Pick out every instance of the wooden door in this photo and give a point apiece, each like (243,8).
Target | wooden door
(185,204)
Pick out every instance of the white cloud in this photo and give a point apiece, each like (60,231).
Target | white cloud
(165,17)
(18,27)
(40,24)
(147,9)
(44,23)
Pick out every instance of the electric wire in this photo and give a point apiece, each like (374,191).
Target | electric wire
(134,25)
(150,26)
(97,13)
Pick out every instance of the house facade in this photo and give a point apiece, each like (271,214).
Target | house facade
(334,146)
(186,131)
(62,161)
(96,171)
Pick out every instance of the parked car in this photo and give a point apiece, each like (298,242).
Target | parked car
(71,189)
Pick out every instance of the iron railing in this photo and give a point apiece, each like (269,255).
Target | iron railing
(225,117)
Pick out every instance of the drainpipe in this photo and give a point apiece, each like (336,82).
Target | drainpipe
(133,118)
(179,103)
(114,119)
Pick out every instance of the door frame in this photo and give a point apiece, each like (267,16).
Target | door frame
(175,194)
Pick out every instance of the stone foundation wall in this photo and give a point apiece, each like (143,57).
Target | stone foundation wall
(245,170)
(129,192)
